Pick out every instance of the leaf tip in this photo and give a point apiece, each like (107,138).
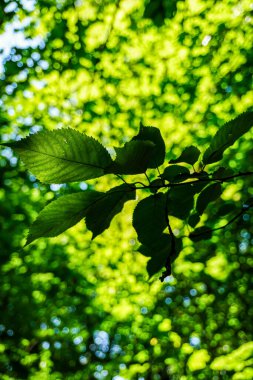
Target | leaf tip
(94,235)
(28,242)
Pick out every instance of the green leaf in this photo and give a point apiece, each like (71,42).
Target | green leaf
(201,233)
(149,218)
(132,158)
(181,198)
(153,134)
(189,155)
(98,208)
(226,136)
(175,173)
(209,194)
(62,214)
(101,212)
(63,155)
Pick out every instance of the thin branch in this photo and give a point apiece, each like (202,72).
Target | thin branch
(122,179)
(224,179)
(207,179)
(245,209)
(143,186)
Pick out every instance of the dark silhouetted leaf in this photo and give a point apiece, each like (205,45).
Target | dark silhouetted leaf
(145,251)
(162,245)
(201,233)
(160,10)
(222,173)
(133,158)
(155,10)
(226,136)
(149,218)
(193,220)
(101,213)
(209,194)
(248,203)
(226,208)
(176,173)
(189,155)
(62,214)
(153,134)
(159,257)
(63,155)
(181,198)
(154,185)
(201,175)
(154,265)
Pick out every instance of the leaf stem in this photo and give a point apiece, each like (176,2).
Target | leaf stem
(157,168)
(167,271)
(147,177)
(132,185)
(122,179)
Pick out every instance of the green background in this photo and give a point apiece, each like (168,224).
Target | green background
(72,308)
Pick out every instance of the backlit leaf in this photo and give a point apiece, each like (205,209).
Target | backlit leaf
(101,213)
(226,136)
(62,214)
(63,155)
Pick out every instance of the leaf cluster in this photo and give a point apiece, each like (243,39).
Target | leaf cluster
(180,192)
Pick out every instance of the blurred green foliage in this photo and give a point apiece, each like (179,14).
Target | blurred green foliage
(75,309)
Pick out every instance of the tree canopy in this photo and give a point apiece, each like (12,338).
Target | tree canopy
(86,80)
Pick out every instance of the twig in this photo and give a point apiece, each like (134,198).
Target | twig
(122,179)
(224,179)
(207,179)
(225,225)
